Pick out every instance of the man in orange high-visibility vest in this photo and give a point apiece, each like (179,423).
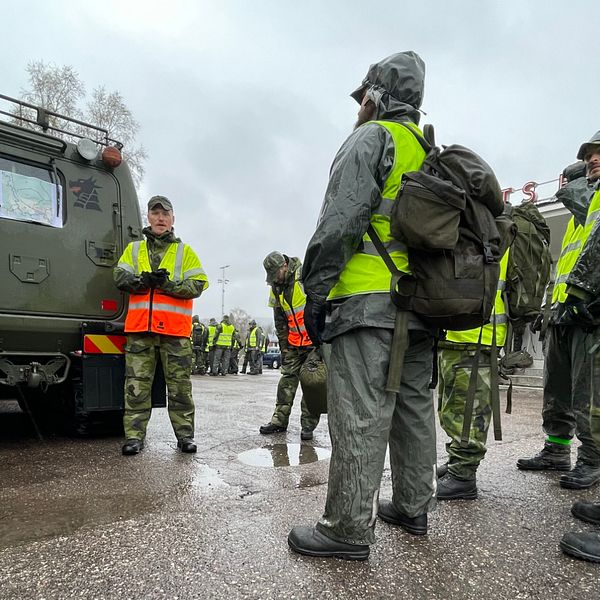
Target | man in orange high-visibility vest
(287,300)
(163,276)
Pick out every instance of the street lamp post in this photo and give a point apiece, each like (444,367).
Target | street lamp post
(223,283)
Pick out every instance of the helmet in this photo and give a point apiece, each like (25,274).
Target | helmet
(587,146)
(252,323)
(195,319)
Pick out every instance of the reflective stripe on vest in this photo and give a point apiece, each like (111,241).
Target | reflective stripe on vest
(154,311)
(499,317)
(226,336)
(571,248)
(365,272)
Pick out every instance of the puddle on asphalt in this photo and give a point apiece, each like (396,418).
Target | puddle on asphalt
(283,455)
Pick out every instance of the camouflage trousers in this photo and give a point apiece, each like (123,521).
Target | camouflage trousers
(568,389)
(141,354)
(199,362)
(455,374)
(293,359)
(364,419)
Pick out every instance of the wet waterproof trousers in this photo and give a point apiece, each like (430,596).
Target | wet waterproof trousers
(364,418)
(455,374)
(293,359)
(595,402)
(220,363)
(567,389)
(141,354)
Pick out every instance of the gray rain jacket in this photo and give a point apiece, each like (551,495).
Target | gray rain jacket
(585,275)
(356,181)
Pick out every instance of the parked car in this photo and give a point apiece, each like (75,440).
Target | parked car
(272,358)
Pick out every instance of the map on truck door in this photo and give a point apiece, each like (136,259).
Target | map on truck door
(26,198)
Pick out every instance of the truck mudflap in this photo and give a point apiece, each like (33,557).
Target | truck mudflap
(101,385)
(35,370)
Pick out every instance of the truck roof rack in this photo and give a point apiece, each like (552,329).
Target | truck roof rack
(42,121)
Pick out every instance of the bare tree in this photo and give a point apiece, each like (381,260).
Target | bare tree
(108,110)
(240,318)
(61,90)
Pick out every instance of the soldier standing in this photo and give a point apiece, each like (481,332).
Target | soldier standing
(234,362)
(343,268)
(199,340)
(162,276)
(457,478)
(210,343)
(583,300)
(287,300)
(223,343)
(252,346)
(567,365)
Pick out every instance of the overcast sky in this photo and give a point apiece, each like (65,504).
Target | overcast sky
(243,104)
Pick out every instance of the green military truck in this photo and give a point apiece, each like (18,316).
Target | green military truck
(67,211)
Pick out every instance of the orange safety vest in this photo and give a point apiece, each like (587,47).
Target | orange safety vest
(297,334)
(154,311)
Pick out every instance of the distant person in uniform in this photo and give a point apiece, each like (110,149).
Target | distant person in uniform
(162,276)
(223,342)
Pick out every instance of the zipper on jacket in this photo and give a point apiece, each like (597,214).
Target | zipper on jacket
(150,311)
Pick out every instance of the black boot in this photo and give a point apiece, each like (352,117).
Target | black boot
(390,514)
(553,457)
(451,488)
(582,545)
(187,445)
(580,477)
(306,434)
(309,541)
(441,470)
(586,511)
(271,428)
(132,446)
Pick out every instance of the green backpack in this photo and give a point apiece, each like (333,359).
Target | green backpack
(529,264)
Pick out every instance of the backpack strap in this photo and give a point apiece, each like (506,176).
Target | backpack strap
(400,339)
(494,384)
(470,401)
(423,141)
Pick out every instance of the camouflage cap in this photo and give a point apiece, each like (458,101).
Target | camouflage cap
(272,263)
(162,200)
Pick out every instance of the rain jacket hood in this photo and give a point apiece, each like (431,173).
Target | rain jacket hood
(576,197)
(396,86)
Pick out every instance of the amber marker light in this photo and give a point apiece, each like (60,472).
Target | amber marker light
(111,157)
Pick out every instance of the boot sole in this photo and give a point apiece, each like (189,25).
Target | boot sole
(577,553)
(343,554)
(462,496)
(407,528)
(585,518)
(573,485)
(546,468)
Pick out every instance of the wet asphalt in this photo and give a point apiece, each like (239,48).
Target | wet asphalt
(79,520)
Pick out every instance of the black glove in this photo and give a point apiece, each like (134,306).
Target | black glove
(146,279)
(536,324)
(314,319)
(576,312)
(159,277)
